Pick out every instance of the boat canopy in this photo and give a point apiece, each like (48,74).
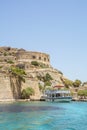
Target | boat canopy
(57,91)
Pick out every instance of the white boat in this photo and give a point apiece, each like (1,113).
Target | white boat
(58,95)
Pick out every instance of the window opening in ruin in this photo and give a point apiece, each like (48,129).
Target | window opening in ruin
(34,57)
(39,58)
(44,59)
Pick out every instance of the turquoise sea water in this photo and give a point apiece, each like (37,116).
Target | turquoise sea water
(43,116)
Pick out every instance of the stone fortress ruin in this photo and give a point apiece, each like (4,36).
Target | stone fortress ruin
(22,57)
(29,56)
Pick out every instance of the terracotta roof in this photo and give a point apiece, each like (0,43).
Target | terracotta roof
(58,86)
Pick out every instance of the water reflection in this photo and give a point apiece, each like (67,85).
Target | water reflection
(19,108)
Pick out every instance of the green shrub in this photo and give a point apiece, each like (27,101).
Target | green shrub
(5,54)
(47,83)
(17,72)
(10,62)
(39,77)
(68,83)
(43,65)
(35,63)
(77,83)
(82,92)
(47,77)
(1,67)
(41,87)
(26,93)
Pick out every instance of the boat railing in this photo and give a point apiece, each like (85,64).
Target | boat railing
(57,91)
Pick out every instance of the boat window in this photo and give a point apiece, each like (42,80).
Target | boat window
(58,94)
(52,95)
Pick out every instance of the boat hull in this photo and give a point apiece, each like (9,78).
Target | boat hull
(59,99)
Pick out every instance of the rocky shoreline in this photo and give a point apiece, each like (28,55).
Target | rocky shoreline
(29,100)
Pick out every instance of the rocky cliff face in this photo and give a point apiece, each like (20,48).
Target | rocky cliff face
(34,63)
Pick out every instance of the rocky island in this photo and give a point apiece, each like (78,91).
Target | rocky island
(21,70)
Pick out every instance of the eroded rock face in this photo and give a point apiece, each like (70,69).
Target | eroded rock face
(9,89)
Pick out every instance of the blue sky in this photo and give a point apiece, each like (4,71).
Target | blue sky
(56,27)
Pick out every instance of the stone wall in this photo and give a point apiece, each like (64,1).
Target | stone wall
(31,82)
(9,89)
(22,56)
(29,56)
(7,58)
(5,89)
